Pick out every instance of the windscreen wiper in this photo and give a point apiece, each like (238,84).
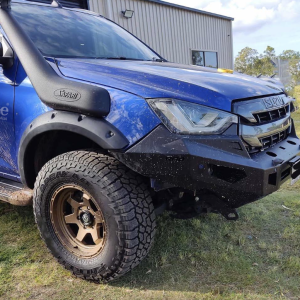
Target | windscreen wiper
(121,58)
(155,59)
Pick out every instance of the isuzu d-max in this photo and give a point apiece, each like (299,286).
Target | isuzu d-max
(102,134)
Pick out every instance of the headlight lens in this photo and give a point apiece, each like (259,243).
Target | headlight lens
(189,118)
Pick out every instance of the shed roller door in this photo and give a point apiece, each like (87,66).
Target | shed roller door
(67,3)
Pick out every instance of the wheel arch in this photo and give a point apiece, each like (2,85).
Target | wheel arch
(40,137)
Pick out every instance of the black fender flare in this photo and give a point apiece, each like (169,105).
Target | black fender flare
(103,133)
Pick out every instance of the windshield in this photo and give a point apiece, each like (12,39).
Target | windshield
(60,32)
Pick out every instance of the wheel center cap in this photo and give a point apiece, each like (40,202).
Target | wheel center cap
(86,218)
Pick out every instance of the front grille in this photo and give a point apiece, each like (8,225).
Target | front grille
(272,115)
(264,122)
(270,141)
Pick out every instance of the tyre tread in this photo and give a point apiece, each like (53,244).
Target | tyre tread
(129,199)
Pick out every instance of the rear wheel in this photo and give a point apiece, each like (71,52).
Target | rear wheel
(95,216)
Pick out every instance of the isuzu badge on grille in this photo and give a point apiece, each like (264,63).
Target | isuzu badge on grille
(271,102)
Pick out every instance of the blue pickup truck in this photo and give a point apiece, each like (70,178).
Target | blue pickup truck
(101,134)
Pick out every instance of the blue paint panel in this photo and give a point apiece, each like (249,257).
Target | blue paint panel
(28,105)
(131,115)
(168,80)
(8,166)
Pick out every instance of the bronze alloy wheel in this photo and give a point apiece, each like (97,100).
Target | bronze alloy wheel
(78,221)
(96,216)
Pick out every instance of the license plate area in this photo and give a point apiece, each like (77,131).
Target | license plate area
(295,173)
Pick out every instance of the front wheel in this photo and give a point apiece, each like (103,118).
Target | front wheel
(95,216)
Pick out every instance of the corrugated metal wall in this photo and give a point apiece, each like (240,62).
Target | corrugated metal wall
(171,31)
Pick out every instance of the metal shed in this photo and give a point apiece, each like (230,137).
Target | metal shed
(180,34)
(83,4)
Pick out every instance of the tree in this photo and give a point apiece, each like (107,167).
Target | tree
(245,60)
(269,52)
(290,54)
(250,62)
(264,65)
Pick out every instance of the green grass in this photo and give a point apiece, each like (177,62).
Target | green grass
(257,257)
(297,93)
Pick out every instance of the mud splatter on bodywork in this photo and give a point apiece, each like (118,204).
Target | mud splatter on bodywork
(7,134)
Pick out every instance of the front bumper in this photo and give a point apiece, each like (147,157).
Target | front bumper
(218,164)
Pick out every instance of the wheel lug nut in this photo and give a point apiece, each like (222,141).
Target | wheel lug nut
(88,208)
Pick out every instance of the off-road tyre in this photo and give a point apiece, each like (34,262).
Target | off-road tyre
(124,200)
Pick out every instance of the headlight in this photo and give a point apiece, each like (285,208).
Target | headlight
(189,118)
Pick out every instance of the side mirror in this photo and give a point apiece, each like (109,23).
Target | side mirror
(6,54)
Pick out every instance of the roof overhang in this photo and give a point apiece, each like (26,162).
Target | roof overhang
(190,9)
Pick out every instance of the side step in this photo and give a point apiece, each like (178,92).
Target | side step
(14,193)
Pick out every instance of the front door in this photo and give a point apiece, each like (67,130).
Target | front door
(8,164)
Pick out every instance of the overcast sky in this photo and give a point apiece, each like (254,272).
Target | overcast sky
(257,23)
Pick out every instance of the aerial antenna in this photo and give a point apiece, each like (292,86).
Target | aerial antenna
(5,4)
(55,3)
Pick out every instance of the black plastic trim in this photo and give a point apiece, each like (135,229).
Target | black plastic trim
(5,4)
(99,131)
(55,91)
